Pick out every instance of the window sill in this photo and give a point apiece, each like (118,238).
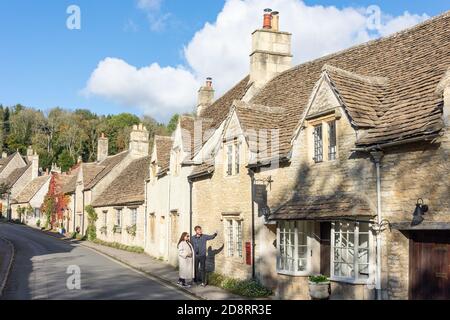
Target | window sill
(350,281)
(295,274)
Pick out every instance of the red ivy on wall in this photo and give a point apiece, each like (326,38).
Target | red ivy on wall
(55,202)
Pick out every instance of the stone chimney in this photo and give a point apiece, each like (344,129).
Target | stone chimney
(102,148)
(271,52)
(139,141)
(33,158)
(205,96)
(4,155)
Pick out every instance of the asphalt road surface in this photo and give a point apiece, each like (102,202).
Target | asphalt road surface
(41,266)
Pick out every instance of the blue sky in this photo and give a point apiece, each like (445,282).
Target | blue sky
(43,64)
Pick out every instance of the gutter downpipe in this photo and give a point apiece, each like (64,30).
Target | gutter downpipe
(190,205)
(377,156)
(252,183)
(145,214)
(74,209)
(82,217)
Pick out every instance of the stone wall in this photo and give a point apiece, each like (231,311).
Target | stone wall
(123,236)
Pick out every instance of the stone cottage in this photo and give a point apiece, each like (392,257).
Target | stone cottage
(121,207)
(16,172)
(92,179)
(321,169)
(26,206)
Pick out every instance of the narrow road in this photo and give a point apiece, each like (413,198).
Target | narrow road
(41,264)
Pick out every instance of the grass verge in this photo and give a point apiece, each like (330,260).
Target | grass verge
(119,246)
(245,288)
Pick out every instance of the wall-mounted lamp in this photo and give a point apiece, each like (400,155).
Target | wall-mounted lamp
(420,210)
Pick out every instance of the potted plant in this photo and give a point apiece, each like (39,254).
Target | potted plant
(117,229)
(319,287)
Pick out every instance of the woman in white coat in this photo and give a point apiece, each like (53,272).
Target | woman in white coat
(185,260)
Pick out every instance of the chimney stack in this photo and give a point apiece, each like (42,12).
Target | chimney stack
(267,22)
(33,158)
(205,97)
(139,141)
(4,155)
(271,53)
(275,21)
(102,148)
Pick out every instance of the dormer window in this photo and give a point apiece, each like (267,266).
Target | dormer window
(318,144)
(324,139)
(233,158)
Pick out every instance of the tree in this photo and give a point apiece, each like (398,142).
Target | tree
(92,219)
(173,123)
(65,161)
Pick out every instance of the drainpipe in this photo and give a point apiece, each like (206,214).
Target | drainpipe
(377,156)
(74,210)
(82,217)
(145,214)
(190,205)
(252,183)
(168,220)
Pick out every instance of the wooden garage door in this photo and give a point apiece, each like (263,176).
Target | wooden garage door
(430,265)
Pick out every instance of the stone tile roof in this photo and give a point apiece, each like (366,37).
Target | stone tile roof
(257,122)
(31,189)
(413,61)
(4,161)
(323,207)
(203,169)
(95,174)
(70,186)
(14,176)
(362,96)
(219,110)
(163,146)
(195,132)
(129,187)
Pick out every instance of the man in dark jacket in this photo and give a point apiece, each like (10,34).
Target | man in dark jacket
(199,243)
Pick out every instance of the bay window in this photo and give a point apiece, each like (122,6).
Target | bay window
(351,251)
(294,248)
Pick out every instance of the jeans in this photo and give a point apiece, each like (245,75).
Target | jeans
(200,269)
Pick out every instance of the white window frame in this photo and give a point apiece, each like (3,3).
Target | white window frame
(233,156)
(119,217)
(234,247)
(309,268)
(133,216)
(355,280)
(325,124)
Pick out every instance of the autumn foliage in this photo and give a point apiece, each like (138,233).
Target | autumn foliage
(55,203)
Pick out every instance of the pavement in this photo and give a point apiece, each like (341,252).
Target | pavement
(47,268)
(140,263)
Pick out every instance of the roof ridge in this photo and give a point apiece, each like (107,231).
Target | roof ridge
(372,80)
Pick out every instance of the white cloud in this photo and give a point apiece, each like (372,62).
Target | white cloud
(221,50)
(155,17)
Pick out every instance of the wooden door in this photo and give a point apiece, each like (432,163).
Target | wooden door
(430,265)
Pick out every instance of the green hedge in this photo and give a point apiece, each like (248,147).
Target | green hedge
(119,246)
(245,288)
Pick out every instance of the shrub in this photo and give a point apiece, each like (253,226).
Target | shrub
(38,223)
(92,219)
(119,246)
(131,230)
(318,279)
(246,288)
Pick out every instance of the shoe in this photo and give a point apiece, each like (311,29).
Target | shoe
(186,285)
(203,284)
(179,283)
